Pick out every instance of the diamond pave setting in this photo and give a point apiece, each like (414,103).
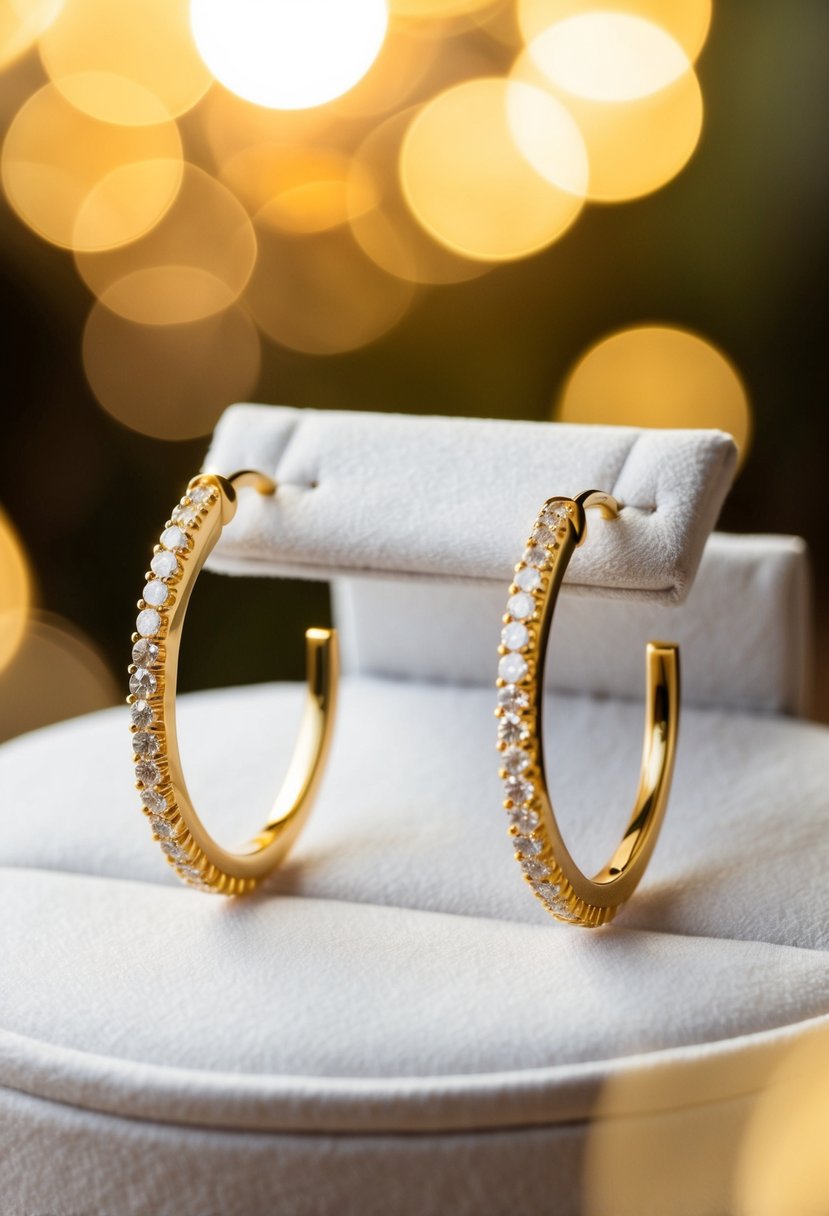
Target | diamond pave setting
(147,679)
(518,672)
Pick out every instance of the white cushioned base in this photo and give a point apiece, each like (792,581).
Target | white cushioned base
(395,1001)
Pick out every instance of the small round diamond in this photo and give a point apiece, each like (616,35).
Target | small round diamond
(148,622)
(512,730)
(515,636)
(527,846)
(174,539)
(512,667)
(520,606)
(155,592)
(144,743)
(528,579)
(162,828)
(191,872)
(174,850)
(536,556)
(518,790)
(141,713)
(515,760)
(164,564)
(548,891)
(200,494)
(144,653)
(544,535)
(142,683)
(555,515)
(534,868)
(525,819)
(185,513)
(512,700)
(147,772)
(154,801)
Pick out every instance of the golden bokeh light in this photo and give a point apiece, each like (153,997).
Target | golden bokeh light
(85,184)
(56,673)
(396,72)
(687,21)
(21,23)
(657,376)
(387,231)
(633,147)
(130,62)
(194,263)
(320,294)
(15,590)
(473,188)
(607,56)
(171,382)
(290,55)
(299,189)
(783,1165)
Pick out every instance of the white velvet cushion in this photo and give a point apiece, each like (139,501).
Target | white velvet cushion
(745,630)
(396,975)
(385,494)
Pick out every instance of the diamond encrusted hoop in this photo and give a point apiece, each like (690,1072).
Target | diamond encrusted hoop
(188,537)
(548,867)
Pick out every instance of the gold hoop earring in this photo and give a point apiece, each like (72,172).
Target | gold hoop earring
(547,864)
(195,526)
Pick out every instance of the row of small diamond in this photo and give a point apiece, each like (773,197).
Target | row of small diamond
(146,686)
(518,741)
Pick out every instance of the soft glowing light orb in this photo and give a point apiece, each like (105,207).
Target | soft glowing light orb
(15,591)
(654,375)
(170,381)
(289,54)
(21,23)
(687,21)
(605,56)
(468,177)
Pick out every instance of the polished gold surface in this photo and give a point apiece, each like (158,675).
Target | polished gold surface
(548,866)
(210,504)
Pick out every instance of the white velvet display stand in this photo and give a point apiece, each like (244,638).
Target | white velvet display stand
(393,1025)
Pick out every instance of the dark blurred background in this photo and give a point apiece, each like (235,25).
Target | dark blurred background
(307,275)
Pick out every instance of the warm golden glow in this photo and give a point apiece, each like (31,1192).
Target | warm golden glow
(467,177)
(56,673)
(21,24)
(687,21)
(15,591)
(320,294)
(194,263)
(606,56)
(657,376)
(171,382)
(298,189)
(85,184)
(633,147)
(292,54)
(125,61)
(783,1165)
(387,231)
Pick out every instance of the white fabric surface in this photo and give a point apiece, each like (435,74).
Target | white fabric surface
(394,1002)
(745,631)
(387,494)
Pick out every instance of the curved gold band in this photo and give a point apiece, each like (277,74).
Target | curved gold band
(208,505)
(548,866)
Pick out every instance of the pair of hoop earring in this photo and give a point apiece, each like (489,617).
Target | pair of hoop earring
(186,541)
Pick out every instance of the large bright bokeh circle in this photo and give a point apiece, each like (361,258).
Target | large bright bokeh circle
(289,54)
(657,376)
(609,56)
(494,169)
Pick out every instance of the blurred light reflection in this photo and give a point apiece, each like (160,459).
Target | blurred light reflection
(194,263)
(86,184)
(15,590)
(472,187)
(657,376)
